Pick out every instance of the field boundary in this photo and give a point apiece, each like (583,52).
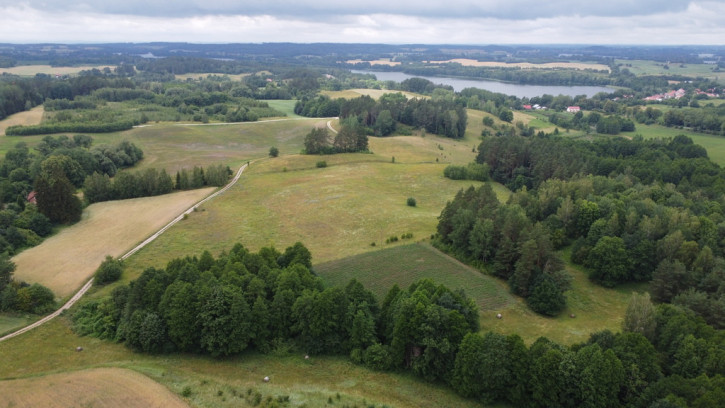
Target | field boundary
(137,248)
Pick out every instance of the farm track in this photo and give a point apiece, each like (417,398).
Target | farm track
(137,248)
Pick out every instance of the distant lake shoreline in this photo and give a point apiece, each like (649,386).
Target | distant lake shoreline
(518,90)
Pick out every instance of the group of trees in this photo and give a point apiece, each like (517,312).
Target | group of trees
(632,210)
(151,182)
(477,228)
(351,137)
(20,296)
(270,301)
(607,125)
(442,116)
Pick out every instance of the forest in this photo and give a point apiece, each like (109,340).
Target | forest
(272,300)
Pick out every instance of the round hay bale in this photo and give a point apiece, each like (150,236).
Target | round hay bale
(498,315)
(572,315)
(265,379)
(307,357)
(79,348)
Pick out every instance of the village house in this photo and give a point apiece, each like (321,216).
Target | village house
(573,109)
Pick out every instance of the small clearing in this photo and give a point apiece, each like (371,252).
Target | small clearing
(66,260)
(31,117)
(98,387)
(524,65)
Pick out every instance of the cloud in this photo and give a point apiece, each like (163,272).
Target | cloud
(698,23)
(507,10)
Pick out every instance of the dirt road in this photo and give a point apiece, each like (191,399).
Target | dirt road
(148,240)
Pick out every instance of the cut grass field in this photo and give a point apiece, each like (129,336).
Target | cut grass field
(97,387)
(65,261)
(217,382)
(525,65)
(31,70)
(643,67)
(714,144)
(233,77)
(31,117)
(373,93)
(402,265)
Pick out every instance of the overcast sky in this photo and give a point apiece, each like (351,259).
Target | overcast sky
(370,21)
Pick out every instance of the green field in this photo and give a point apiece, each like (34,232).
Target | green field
(9,323)
(642,67)
(595,308)
(220,382)
(172,146)
(403,265)
(714,144)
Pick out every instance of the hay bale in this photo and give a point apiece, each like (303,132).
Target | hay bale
(79,348)
(498,315)
(265,379)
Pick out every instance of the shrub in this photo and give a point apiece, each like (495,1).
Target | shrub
(109,271)
(321,164)
(273,152)
(411,202)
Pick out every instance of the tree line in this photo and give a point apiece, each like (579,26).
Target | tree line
(444,117)
(99,187)
(271,301)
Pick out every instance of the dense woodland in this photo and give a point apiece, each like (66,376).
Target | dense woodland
(272,301)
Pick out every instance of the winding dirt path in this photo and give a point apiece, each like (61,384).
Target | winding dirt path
(148,240)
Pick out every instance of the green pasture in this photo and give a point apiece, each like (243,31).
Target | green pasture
(643,67)
(9,322)
(714,144)
(336,211)
(173,146)
(404,264)
(220,382)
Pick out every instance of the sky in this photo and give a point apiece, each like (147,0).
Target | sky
(478,22)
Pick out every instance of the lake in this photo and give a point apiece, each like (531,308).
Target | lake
(517,90)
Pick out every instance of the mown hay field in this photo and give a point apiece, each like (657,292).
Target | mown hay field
(525,65)
(31,70)
(97,387)
(31,117)
(67,259)
(214,382)
(373,93)
(381,61)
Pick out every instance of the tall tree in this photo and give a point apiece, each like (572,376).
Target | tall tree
(55,192)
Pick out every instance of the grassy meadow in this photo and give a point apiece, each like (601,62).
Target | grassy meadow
(337,211)
(373,93)
(211,382)
(406,264)
(9,323)
(643,67)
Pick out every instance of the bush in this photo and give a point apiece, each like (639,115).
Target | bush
(411,202)
(378,357)
(273,152)
(35,298)
(109,271)
(321,164)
